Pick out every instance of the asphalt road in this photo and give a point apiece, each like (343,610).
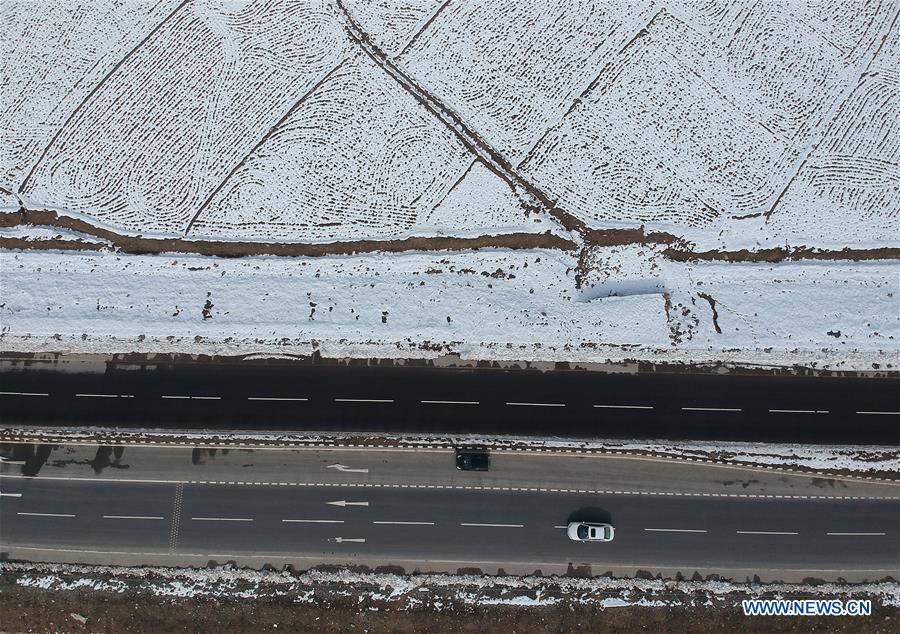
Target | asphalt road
(414,510)
(485,401)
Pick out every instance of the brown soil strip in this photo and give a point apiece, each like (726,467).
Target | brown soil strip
(715,313)
(780,254)
(141,245)
(677,251)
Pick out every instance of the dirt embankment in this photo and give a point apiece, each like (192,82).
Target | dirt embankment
(676,250)
(143,245)
(36,610)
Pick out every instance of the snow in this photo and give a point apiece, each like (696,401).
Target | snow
(32,233)
(731,125)
(387,163)
(393,23)
(499,210)
(487,304)
(60,52)
(861,460)
(428,590)
(163,131)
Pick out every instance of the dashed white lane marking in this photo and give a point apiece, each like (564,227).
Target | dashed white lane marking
(675,530)
(10,495)
(376,485)
(222,519)
(405,523)
(46,514)
(517,404)
(275,398)
(712,409)
(451,402)
(857,534)
(105,395)
(363,400)
(492,525)
(24,394)
(625,406)
(8,461)
(799,411)
(133,517)
(192,398)
(562,526)
(880,413)
(766,533)
(314,521)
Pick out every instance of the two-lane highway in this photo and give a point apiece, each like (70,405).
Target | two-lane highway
(413,509)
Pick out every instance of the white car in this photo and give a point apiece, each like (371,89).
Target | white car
(590,532)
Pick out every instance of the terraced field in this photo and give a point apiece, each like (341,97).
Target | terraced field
(636,140)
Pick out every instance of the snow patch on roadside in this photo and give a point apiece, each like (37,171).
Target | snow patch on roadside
(412,591)
(856,459)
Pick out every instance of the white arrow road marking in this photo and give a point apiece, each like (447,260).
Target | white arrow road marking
(346,503)
(345,469)
(11,495)
(8,461)
(341,540)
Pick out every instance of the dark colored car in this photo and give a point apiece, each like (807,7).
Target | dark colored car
(472,459)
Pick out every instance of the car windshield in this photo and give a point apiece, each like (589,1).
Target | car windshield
(582,532)
(606,533)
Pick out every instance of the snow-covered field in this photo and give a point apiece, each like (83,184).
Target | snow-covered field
(729,125)
(506,305)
